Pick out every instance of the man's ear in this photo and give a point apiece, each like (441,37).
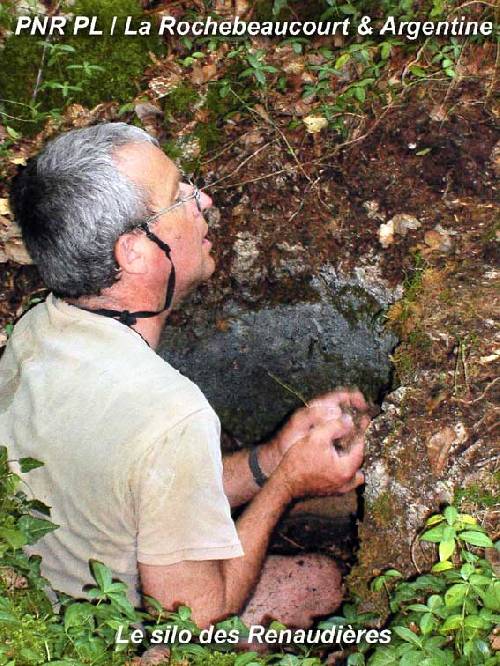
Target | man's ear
(131,253)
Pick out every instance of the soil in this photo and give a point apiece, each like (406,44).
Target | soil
(321,202)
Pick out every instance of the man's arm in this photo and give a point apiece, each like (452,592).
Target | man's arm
(215,589)
(239,483)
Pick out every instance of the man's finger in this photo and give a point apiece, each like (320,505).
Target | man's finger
(335,428)
(346,397)
(357,480)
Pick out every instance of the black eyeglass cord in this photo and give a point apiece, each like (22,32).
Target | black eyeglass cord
(130,318)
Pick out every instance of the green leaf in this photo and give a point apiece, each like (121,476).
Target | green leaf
(424,151)
(393,573)
(426,623)
(456,594)
(27,464)
(451,514)
(260,76)
(12,133)
(101,574)
(476,579)
(184,612)
(447,545)
(348,9)
(442,566)
(435,601)
(385,50)
(465,518)
(408,636)
(342,60)
(384,656)
(153,603)
(452,623)
(412,658)
(418,608)
(79,615)
(15,538)
(435,534)
(433,520)
(35,528)
(476,539)
(360,94)
(476,622)
(467,570)
(418,71)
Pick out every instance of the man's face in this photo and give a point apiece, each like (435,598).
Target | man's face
(184,229)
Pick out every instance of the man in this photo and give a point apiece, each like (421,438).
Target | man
(133,469)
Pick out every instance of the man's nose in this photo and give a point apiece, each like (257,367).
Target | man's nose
(205,200)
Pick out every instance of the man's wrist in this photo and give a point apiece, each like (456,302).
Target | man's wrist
(270,456)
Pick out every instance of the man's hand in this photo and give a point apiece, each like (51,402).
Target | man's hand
(319,411)
(314,466)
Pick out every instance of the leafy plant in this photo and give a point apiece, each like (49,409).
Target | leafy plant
(257,67)
(84,631)
(444,617)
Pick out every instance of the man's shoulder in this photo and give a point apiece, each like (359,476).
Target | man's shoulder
(97,359)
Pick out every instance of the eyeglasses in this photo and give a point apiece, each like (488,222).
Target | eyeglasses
(195,194)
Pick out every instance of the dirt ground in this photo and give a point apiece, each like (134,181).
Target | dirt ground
(434,158)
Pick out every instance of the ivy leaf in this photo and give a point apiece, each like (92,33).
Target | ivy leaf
(15,538)
(27,464)
(476,539)
(35,528)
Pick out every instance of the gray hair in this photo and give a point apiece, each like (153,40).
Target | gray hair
(72,203)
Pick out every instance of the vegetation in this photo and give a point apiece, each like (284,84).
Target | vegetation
(340,85)
(442,617)
(198,89)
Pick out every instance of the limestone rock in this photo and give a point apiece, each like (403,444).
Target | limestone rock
(400,224)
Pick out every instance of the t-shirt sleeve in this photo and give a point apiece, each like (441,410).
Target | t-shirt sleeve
(182,511)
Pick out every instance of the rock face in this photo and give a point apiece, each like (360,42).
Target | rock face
(414,466)
(262,363)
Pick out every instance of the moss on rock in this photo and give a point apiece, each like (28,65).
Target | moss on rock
(123,60)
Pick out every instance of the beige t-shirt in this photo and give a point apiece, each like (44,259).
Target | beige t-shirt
(133,468)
